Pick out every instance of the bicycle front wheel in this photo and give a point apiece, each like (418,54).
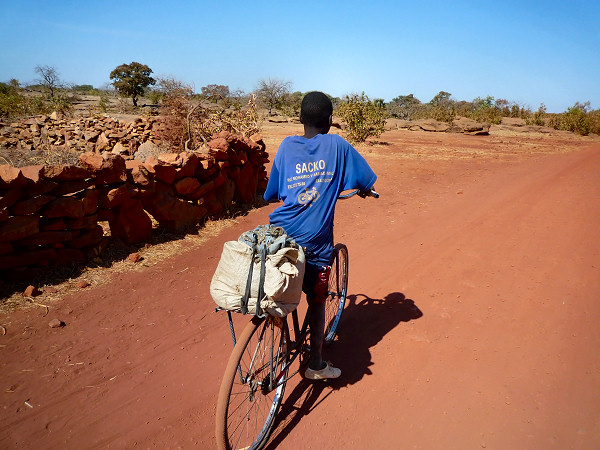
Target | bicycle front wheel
(253,385)
(338,289)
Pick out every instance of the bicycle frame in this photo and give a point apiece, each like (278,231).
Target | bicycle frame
(296,348)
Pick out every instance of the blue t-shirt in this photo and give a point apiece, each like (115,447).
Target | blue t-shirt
(308,175)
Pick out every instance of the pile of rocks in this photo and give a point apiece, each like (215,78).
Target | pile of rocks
(90,134)
(53,215)
(459,125)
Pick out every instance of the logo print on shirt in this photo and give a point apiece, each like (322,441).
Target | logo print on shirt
(308,196)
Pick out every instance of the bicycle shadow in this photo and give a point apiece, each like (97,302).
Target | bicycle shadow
(364,323)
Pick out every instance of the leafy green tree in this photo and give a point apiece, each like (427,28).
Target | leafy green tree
(273,92)
(362,116)
(132,79)
(442,107)
(405,107)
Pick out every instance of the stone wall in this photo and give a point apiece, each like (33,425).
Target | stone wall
(82,134)
(57,215)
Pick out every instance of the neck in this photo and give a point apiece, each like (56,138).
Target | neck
(311,132)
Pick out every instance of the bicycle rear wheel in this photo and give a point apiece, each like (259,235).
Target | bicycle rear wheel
(253,386)
(338,288)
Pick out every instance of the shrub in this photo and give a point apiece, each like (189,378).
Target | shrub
(405,107)
(574,119)
(14,104)
(363,118)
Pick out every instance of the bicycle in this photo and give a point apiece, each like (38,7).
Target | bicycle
(258,369)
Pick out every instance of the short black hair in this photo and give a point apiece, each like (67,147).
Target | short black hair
(316,109)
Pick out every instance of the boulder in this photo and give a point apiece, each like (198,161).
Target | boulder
(31,205)
(64,207)
(66,173)
(146,150)
(19,227)
(172,212)
(131,224)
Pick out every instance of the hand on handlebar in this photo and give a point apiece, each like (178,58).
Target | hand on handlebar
(370,193)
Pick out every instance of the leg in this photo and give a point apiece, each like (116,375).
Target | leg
(316,295)
(316,319)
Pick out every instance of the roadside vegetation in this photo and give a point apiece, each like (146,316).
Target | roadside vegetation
(192,116)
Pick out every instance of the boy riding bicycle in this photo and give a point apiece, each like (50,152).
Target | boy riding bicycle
(308,174)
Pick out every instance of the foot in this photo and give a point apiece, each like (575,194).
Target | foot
(325,373)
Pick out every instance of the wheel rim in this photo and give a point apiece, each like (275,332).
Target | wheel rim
(252,405)
(338,285)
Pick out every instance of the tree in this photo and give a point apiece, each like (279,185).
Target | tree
(362,116)
(273,92)
(405,107)
(215,92)
(48,78)
(131,79)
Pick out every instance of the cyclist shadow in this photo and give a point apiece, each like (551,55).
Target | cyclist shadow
(364,323)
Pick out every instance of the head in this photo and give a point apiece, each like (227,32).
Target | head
(316,111)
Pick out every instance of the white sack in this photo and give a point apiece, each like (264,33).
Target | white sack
(284,272)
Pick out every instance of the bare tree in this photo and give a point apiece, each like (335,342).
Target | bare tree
(48,78)
(273,92)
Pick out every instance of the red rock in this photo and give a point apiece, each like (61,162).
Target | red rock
(186,185)
(33,173)
(65,173)
(172,212)
(172,159)
(91,161)
(10,197)
(70,187)
(83,284)
(201,191)
(113,169)
(26,259)
(32,291)
(11,176)
(141,176)
(44,238)
(40,188)
(134,257)
(189,164)
(64,207)
(83,223)
(114,197)
(6,247)
(165,174)
(30,206)
(56,323)
(90,201)
(102,143)
(246,181)
(219,144)
(52,224)
(87,239)
(19,227)
(131,223)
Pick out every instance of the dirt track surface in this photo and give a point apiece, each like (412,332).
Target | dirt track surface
(472,323)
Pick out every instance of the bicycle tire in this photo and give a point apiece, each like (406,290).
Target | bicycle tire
(338,290)
(245,411)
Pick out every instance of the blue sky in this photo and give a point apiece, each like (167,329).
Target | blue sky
(523,51)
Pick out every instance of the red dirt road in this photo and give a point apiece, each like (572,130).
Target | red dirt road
(472,323)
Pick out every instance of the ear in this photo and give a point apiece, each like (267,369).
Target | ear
(330,119)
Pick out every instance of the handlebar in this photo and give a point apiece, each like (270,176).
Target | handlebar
(369,193)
